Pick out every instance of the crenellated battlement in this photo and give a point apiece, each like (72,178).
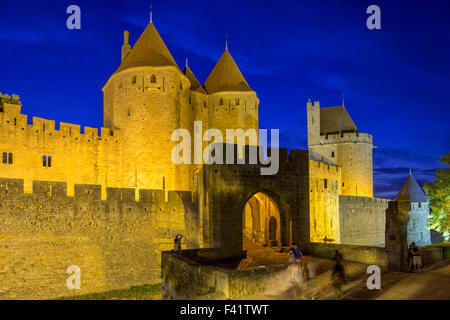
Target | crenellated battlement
(343,200)
(13,123)
(346,137)
(11,189)
(324,166)
(294,162)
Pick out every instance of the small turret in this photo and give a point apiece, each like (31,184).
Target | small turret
(313,111)
(417,230)
(126,48)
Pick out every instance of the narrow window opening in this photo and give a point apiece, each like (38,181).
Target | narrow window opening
(153,79)
(134,80)
(325,183)
(5,157)
(237,101)
(332,154)
(221,102)
(10,158)
(44,161)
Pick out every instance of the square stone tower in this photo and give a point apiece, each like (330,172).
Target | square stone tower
(334,138)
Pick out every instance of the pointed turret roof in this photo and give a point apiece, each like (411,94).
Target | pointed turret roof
(335,119)
(149,50)
(226,76)
(195,84)
(412,188)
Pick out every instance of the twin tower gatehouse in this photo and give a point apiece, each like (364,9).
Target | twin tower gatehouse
(145,100)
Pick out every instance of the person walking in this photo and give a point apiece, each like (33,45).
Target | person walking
(410,258)
(299,262)
(337,277)
(291,256)
(297,253)
(417,258)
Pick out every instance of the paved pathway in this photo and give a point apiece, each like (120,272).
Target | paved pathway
(429,285)
(432,284)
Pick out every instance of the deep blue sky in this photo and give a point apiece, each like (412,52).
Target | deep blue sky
(396,80)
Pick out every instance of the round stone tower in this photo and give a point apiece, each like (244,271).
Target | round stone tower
(147,98)
(233,104)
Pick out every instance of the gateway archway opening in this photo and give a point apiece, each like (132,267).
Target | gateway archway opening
(261,222)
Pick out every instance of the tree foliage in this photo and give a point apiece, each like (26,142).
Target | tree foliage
(438,195)
(6,98)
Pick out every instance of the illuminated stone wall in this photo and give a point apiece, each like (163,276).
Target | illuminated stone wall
(324,182)
(238,111)
(353,153)
(362,220)
(88,158)
(116,242)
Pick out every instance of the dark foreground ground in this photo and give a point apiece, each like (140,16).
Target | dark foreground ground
(433,283)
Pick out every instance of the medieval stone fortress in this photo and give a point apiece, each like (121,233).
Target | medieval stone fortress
(110,200)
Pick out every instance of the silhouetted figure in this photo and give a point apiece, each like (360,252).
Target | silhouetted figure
(410,257)
(417,259)
(337,255)
(337,277)
(177,243)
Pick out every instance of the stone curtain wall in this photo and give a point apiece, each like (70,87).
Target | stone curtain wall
(324,183)
(396,233)
(362,254)
(92,157)
(117,242)
(184,276)
(362,220)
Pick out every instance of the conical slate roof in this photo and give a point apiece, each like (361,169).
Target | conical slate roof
(195,85)
(226,76)
(149,50)
(412,188)
(335,119)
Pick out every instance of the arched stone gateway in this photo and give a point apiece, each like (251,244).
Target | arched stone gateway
(237,196)
(261,221)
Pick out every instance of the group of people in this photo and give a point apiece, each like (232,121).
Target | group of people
(299,271)
(414,258)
